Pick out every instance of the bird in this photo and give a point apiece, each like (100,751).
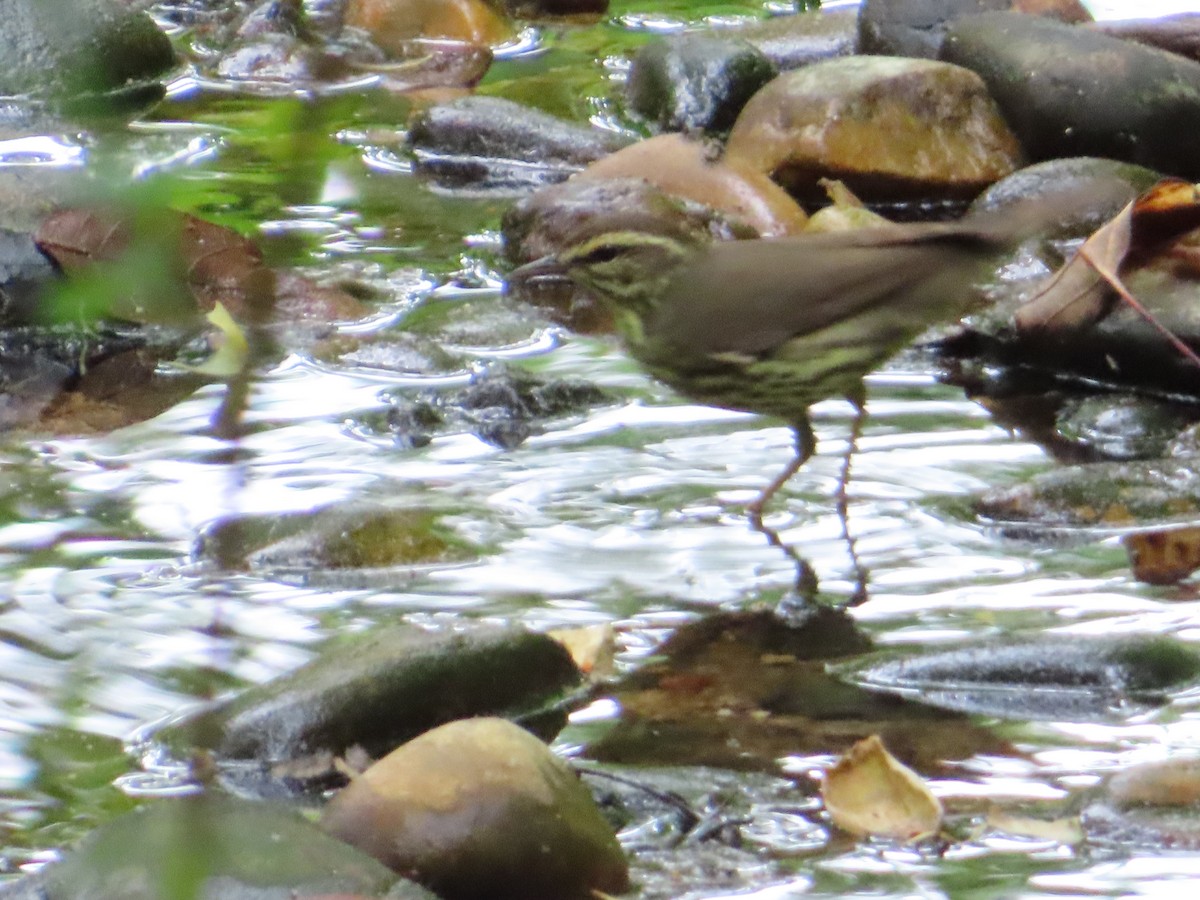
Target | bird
(774,325)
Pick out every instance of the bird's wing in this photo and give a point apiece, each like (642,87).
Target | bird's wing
(749,297)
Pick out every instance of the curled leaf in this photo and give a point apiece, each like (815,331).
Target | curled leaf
(869,792)
(232,352)
(1080,293)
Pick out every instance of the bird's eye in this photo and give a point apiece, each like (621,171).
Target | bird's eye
(602,255)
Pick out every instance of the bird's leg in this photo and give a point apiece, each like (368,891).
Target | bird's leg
(858,400)
(805,443)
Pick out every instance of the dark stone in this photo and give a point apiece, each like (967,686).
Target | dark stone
(918,27)
(696,82)
(1083,173)
(913,27)
(492,142)
(87,53)
(1069,91)
(1063,678)
(233,849)
(384,687)
(791,42)
(1177,34)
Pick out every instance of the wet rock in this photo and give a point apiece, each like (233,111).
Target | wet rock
(117,391)
(695,82)
(90,54)
(1073,92)
(1176,34)
(379,689)
(277,17)
(222,846)
(1120,352)
(1151,805)
(489,142)
(1099,495)
(357,539)
(442,68)
(1153,828)
(481,808)
(69,379)
(298,299)
(692,170)
(918,27)
(561,215)
(1124,428)
(29,194)
(1053,678)
(1092,174)
(392,23)
(394,351)
(502,409)
(1167,782)
(890,128)
(791,42)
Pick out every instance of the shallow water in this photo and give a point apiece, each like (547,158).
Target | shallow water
(630,513)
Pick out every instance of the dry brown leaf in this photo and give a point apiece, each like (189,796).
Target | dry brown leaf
(869,792)
(78,238)
(1080,292)
(218,264)
(1077,295)
(1164,556)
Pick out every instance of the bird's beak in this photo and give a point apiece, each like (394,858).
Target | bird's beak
(546,270)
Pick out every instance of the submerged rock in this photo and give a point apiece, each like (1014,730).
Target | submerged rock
(1056,678)
(218,846)
(1099,495)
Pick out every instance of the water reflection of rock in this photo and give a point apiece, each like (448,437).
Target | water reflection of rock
(743,691)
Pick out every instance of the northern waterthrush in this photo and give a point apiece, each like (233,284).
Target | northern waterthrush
(772,326)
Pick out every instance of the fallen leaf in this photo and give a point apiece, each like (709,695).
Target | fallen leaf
(1077,295)
(1165,555)
(1080,292)
(78,238)
(869,792)
(232,351)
